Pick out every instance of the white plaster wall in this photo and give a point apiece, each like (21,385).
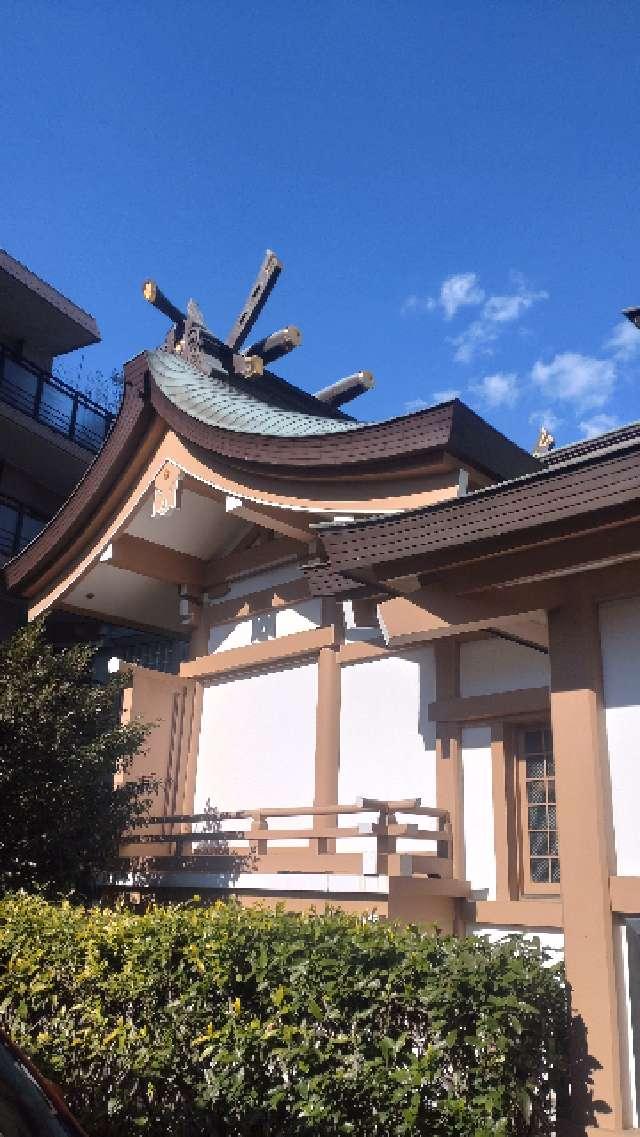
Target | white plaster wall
(493,665)
(551,940)
(266,626)
(620,638)
(480,858)
(256,581)
(387,744)
(257,741)
(629,976)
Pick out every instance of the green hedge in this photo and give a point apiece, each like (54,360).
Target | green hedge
(219,1020)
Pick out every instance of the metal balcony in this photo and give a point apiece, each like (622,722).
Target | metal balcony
(53,403)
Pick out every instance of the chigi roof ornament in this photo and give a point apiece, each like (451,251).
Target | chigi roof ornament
(193,341)
(198,345)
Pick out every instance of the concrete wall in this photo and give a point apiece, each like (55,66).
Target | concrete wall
(480,858)
(493,665)
(620,637)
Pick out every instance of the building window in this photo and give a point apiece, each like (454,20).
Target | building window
(18,526)
(537,802)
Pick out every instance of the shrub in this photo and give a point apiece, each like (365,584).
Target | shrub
(61,746)
(226,1021)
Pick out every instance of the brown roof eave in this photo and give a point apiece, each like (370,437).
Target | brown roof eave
(450,427)
(499,517)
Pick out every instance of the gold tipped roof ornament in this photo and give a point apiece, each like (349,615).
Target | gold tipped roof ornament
(192,340)
(545,443)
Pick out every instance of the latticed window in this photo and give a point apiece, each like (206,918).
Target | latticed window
(538,809)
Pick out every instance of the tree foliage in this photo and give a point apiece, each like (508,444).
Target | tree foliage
(232,1022)
(61,745)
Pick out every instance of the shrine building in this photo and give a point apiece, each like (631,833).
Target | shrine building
(412,682)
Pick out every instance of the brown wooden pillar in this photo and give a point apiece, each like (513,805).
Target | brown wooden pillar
(327,736)
(448,748)
(585,839)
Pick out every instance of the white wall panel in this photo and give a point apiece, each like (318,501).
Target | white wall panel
(387,744)
(257,740)
(627,938)
(493,665)
(268,578)
(480,856)
(620,635)
(551,941)
(266,626)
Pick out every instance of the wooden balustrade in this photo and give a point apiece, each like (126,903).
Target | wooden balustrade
(263,847)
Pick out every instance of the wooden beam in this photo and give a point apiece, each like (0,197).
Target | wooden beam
(261,289)
(219,570)
(282,650)
(516,914)
(242,607)
(278,520)
(276,345)
(625,895)
(158,562)
(476,571)
(435,612)
(479,708)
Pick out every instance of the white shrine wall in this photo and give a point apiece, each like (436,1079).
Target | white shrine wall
(387,743)
(257,740)
(490,666)
(620,640)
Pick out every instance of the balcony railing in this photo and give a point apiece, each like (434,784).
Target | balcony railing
(18,526)
(259,841)
(50,401)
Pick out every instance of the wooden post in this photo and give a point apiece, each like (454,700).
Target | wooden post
(586,852)
(327,741)
(448,753)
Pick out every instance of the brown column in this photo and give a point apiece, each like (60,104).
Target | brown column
(448,748)
(327,735)
(585,837)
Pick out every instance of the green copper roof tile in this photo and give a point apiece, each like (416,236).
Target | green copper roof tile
(238,405)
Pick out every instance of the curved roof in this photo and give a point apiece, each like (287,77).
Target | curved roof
(266,426)
(265,406)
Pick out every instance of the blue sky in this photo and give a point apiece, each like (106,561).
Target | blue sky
(452,186)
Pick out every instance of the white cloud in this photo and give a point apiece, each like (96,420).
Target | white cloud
(624,341)
(496,312)
(546,417)
(598,424)
(460,291)
(504,309)
(476,338)
(445,396)
(499,390)
(415,405)
(581,379)
(417,304)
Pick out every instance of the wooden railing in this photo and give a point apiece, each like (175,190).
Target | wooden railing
(202,842)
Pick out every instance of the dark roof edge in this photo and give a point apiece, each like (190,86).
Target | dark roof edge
(588,458)
(602,442)
(51,295)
